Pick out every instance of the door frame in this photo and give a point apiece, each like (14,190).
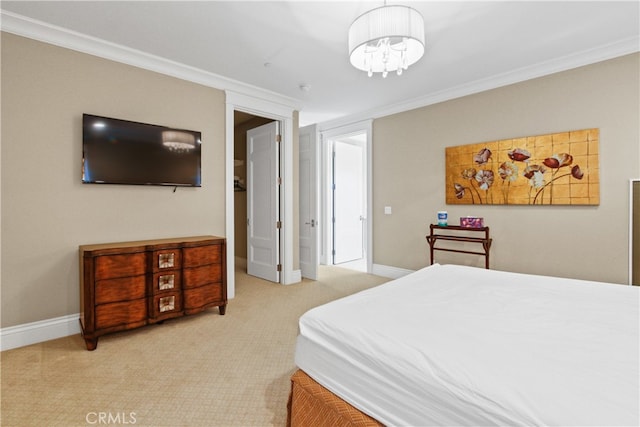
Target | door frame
(633,183)
(326,209)
(284,114)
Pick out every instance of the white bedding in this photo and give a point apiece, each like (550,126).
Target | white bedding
(452,345)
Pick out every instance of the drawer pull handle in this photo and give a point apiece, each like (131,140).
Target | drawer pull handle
(166,260)
(166,282)
(167,304)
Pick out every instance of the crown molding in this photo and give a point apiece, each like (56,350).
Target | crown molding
(575,60)
(62,37)
(38,30)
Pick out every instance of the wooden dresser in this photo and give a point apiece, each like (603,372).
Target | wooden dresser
(126,285)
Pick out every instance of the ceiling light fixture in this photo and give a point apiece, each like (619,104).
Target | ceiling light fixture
(386,39)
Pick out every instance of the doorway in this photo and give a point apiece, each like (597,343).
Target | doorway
(282,110)
(346,196)
(256,195)
(263,202)
(349,200)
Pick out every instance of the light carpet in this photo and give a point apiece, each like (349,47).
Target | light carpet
(200,370)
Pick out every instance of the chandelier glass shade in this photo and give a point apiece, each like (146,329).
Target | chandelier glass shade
(386,39)
(178,141)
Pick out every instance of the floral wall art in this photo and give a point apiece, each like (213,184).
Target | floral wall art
(553,169)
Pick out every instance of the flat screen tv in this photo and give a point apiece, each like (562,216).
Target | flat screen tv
(118,151)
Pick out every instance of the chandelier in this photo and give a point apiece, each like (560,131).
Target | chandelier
(178,141)
(386,39)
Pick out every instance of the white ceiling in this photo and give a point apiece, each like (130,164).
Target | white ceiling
(280,45)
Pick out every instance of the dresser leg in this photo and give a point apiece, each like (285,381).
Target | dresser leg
(223,309)
(92,343)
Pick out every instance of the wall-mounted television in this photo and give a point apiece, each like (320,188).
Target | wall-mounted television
(116,151)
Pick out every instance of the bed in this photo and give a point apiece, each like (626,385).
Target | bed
(454,345)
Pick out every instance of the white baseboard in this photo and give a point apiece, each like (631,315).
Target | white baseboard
(43,330)
(390,272)
(294,277)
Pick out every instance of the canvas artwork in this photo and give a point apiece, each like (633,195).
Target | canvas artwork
(553,169)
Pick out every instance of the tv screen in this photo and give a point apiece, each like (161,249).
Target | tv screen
(118,151)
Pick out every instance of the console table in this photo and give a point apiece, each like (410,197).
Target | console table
(126,285)
(454,233)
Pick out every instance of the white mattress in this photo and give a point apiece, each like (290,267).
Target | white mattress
(454,345)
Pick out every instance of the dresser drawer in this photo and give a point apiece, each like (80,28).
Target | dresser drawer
(126,285)
(167,259)
(194,277)
(166,304)
(113,266)
(121,313)
(199,297)
(201,255)
(122,289)
(167,281)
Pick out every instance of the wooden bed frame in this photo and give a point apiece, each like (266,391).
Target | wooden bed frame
(310,404)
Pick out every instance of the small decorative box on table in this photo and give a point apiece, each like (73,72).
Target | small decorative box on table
(454,233)
(471,222)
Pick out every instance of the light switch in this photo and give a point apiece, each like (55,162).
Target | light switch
(387,210)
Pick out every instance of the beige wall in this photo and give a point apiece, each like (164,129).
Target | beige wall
(589,242)
(46,210)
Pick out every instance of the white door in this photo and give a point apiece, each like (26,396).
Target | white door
(263,240)
(348,199)
(308,186)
